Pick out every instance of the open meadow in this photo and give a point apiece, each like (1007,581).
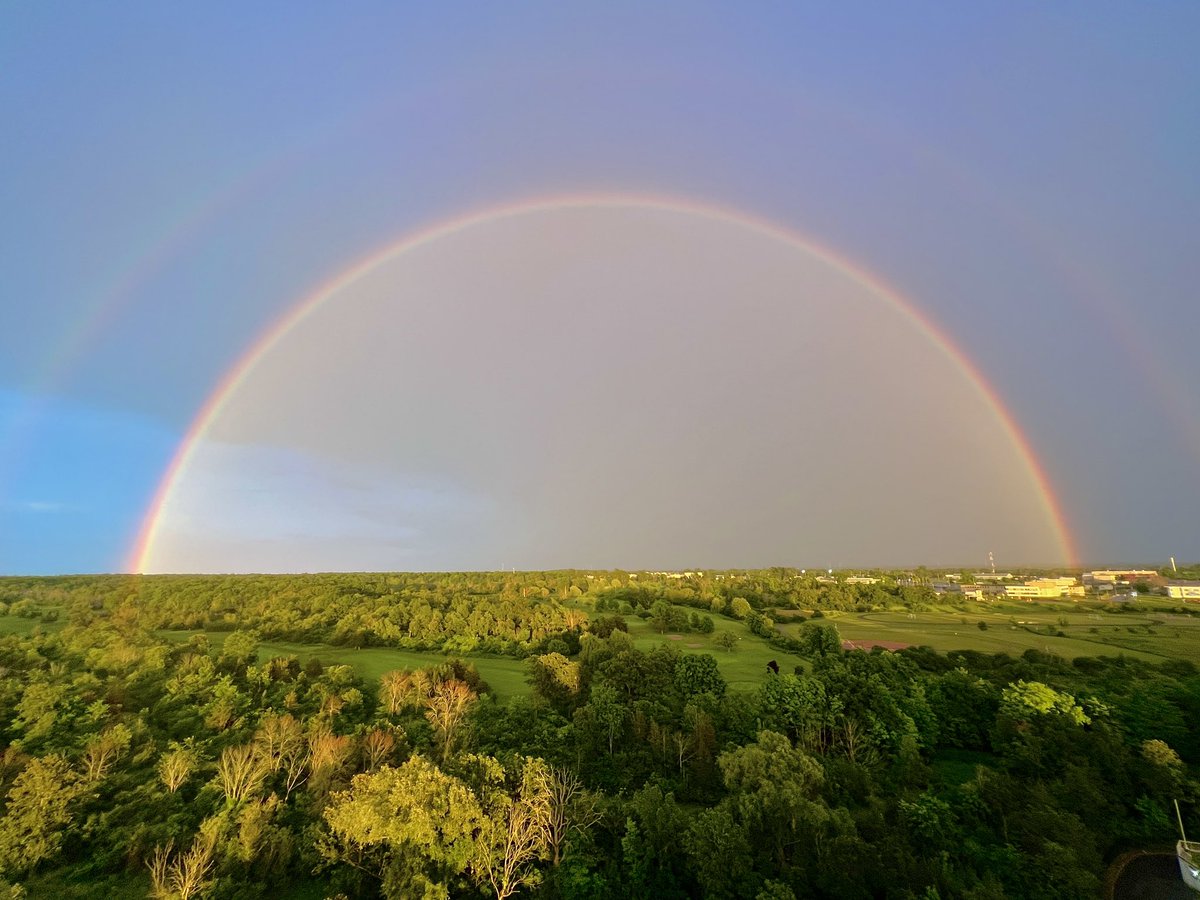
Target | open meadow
(743,667)
(1152,629)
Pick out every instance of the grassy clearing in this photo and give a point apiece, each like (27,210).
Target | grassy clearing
(743,667)
(1151,632)
(25,627)
(504,674)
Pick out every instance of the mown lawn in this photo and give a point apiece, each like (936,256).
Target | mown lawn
(504,674)
(1151,632)
(23,626)
(743,667)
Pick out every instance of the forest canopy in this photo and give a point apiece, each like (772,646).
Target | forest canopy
(155,746)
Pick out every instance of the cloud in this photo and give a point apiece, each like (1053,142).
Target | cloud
(266,508)
(39,506)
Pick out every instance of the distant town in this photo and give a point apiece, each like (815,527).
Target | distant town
(1110,584)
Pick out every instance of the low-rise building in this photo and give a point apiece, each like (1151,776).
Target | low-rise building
(1045,589)
(992,576)
(967,591)
(1183,590)
(1033,591)
(1112,576)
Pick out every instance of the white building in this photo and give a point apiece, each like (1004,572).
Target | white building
(1183,590)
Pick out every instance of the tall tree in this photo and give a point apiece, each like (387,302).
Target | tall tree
(445,708)
(240,771)
(176,765)
(37,812)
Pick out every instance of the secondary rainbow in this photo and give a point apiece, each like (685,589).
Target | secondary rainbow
(144,545)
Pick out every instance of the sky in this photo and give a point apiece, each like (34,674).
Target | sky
(597,285)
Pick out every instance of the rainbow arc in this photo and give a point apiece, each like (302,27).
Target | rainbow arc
(142,552)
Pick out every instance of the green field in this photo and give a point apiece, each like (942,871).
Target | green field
(504,674)
(1151,632)
(22,626)
(743,667)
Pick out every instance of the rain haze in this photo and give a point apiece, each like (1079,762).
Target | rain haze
(543,286)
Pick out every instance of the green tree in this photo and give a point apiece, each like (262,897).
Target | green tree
(801,708)
(1024,699)
(660,616)
(239,650)
(105,749)
(929,822)
(433,825)
(425,822)
(654,866)
(176,765)
(775,890)
(40,709)
(965,706)
(38,810)
(775,787)
(555,679)
(607,710)
(638,675)
(1159,753)
(697,673)
(820,639)
(719,852)
(517,828)
(760,625)
(445,708)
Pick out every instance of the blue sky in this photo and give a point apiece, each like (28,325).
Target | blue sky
(176,178)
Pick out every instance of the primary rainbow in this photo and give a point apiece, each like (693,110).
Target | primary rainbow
(237,374)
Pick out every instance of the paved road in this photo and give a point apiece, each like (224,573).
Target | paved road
(1152,878)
